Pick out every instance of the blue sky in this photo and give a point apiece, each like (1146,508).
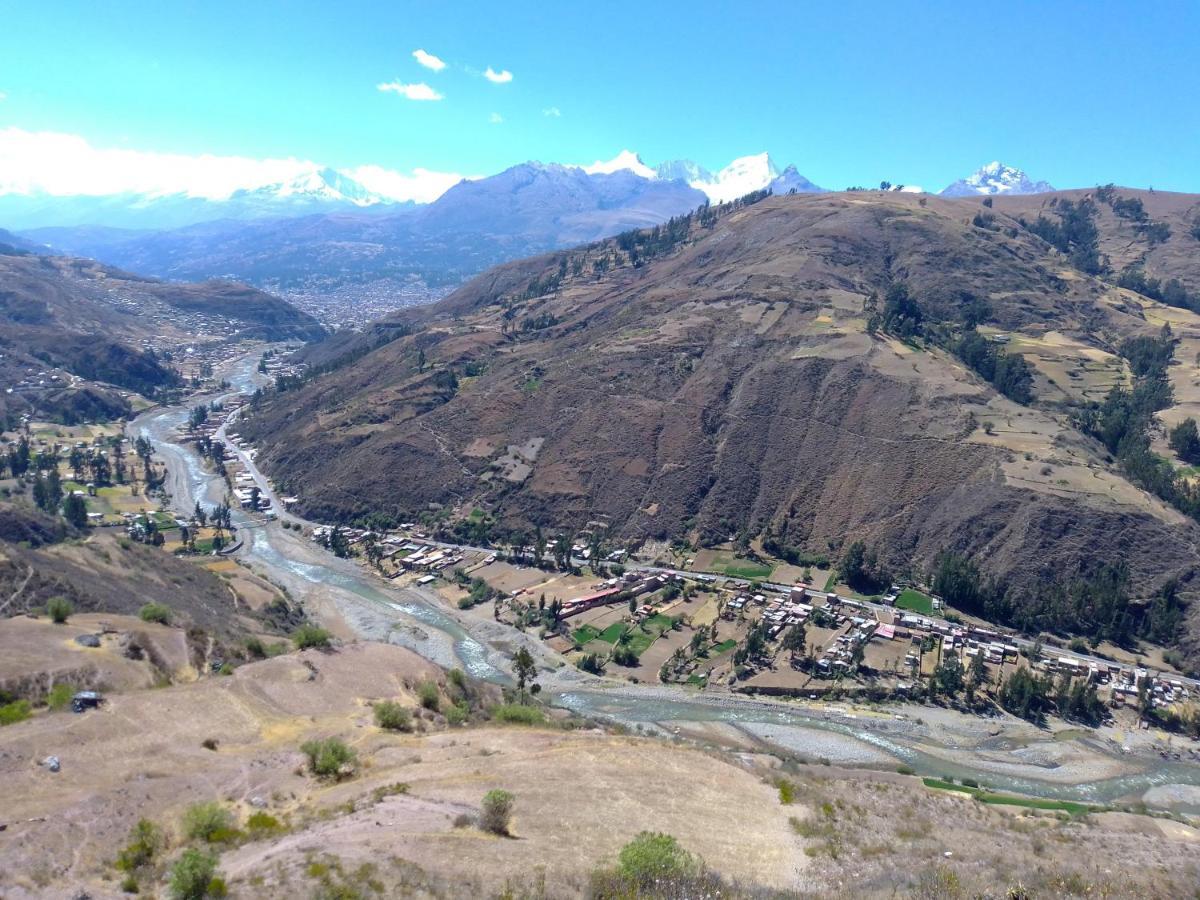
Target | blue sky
(852,93)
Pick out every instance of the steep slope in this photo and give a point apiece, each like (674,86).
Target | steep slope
(730,387)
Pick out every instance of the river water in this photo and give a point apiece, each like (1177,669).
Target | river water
(841,736)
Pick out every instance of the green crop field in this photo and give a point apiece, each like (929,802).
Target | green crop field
(584,634)
(610,634)
(915,601)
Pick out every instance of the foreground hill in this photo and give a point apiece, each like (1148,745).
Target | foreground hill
(405,821)
(77,334)
(730,378)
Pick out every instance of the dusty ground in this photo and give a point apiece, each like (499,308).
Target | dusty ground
(49,653)
(580,795)
(598,789)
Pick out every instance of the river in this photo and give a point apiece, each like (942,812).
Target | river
(1014,757)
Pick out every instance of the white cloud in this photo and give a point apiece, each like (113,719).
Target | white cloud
(66,164)
(553,112)
(495,118)
(420,185)
(428,60)
(418,91)
(502,77)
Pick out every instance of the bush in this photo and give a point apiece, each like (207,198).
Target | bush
(209,822)
(146,841)
(457,714)
(427,692)
(310,636)
(155,612)
(261,823)
(787,792)
(652,858)
(17,711)
(458,678)
(518,714)
(497,812)
(392,716)
(330,758)
(60,697)
(59,609)
(193,877)
(255,648)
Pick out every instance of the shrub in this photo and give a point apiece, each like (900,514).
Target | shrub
(60,696)
(146,841)
(787,792)
(310,636)
(906,770)
(59,609)
(210,743)
(155,612)
(330,758)
(427,692)
(497,812)
(458,678)
(255,648)
(193,877)
(392,716)
(209,822)
(17,711)
(518,714)
(457,714)
(462,820)
(653,857)
(262,823)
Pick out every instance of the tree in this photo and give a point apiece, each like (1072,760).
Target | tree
(75,511)
(524,669)
(146,841)
(948,676)
(392,716)
(976,674)
(496,815)
(794,640)
(155,612)
(1185,441)
(652,860)
(330,758)
(311,637)
(200,515)
(902,315)
(59,609)
(210,822)
(193,877)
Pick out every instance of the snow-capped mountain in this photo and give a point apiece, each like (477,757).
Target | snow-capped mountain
(625,160)
(740,177)
(996,178)
(318,185)
(683,170)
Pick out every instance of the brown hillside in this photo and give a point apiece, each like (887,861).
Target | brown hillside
(730,385)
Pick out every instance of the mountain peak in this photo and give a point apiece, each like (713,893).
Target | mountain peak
(626,159)
(996,178)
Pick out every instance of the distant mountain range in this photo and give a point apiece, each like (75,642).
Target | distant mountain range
(323,233)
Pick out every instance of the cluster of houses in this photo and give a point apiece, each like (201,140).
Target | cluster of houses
(615,590)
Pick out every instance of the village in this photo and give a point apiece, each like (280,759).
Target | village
(630,618)
(708,620)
